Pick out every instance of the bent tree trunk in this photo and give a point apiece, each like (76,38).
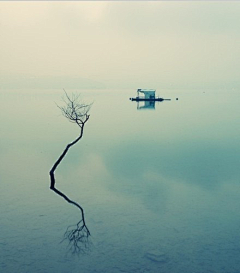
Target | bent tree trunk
(76,113)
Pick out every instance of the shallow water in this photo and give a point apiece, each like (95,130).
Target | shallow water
(160,187)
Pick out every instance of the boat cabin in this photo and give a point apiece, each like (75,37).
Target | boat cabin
(148,93)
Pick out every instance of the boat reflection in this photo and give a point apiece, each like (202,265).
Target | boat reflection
(146,105)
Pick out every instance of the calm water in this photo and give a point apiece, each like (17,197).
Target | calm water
(160,188)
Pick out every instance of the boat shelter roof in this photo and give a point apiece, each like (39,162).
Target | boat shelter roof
(146,90)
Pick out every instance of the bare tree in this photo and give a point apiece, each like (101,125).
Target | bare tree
(75,112)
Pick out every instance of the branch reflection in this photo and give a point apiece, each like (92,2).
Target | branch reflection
(75,112)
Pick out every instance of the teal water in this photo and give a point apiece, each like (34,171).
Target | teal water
(160,186)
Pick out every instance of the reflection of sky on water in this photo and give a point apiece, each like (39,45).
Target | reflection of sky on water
(195,163)
(160,188)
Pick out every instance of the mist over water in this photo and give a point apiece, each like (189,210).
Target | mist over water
(159,187)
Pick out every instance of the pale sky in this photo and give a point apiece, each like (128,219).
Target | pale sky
(136,44)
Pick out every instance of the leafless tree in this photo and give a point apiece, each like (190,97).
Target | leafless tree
(75,112)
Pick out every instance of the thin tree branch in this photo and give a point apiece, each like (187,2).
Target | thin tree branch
(77,113)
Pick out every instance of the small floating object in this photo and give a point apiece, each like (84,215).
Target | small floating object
(156,256)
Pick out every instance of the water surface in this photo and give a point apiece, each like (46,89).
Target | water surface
(159,186)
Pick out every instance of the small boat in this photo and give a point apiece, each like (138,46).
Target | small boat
(149,95)
(144,99)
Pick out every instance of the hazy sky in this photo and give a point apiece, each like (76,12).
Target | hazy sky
(133,44)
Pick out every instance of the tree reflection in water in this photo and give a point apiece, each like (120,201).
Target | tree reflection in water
(75,112)
(78,238)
